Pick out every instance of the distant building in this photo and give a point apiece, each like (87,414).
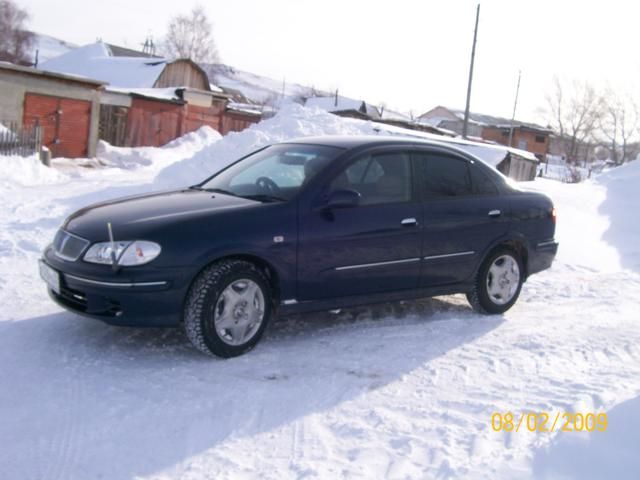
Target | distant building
(64,107)
(526,136)
(149,100)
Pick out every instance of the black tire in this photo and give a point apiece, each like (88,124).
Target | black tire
(479,297)
(203,300)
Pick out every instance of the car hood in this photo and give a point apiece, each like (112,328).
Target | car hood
(134,216)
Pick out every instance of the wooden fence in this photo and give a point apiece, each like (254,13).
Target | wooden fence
(18,139)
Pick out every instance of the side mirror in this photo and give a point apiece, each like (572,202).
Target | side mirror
(343,199)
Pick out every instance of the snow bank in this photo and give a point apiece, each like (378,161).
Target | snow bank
(27,172)
(621,207)
(180,148)
(292,121)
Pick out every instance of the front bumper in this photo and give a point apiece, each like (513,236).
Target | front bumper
(123,299)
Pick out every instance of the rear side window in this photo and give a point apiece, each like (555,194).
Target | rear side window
(481,182)
(444,176)
(380,178)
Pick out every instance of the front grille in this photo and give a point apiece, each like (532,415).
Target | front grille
(68,246)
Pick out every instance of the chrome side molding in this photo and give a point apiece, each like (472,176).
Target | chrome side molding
(377,264)
(447,255)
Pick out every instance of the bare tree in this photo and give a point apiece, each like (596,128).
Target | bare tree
(190,36)
(574,113)
(619,126)
(15,40)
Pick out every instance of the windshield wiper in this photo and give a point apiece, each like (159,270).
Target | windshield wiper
(222,191)
(261,197)
(213,190)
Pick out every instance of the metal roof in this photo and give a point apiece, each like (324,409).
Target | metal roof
(48,74)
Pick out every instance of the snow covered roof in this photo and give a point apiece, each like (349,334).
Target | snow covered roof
(49,47)
(387,114)
(169,93)
(333,104)
(215,88)
(440,114)
(247,87)
(244,108)
(97,61)
(51,74)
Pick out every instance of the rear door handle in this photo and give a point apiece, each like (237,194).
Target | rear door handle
(407,222)
(495,213)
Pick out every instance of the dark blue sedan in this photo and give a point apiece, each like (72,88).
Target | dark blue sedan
(310,224)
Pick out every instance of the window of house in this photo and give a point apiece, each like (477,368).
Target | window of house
(381,178)
(540,138)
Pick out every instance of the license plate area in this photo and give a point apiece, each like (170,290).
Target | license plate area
(50,276)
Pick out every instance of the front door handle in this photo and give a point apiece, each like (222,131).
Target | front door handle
(495,213)
(407,222)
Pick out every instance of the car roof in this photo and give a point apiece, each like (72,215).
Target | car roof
(350,142)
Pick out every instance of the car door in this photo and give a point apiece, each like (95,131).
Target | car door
(463,214)
(369,248)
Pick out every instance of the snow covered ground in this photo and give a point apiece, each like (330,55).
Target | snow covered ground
(401,390)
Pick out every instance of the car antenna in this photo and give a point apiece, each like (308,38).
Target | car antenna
(113,247)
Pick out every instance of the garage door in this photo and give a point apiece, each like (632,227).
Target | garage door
(64,121)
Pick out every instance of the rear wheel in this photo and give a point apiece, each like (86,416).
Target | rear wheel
(498,283)
(228,308)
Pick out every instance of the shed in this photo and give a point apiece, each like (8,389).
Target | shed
(65,107)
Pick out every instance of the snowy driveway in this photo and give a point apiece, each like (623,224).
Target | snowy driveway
(394,391)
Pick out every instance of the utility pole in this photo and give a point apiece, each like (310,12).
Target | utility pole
(465,125)
(513,115)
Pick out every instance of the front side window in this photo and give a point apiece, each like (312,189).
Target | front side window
(379,178)
(274,173)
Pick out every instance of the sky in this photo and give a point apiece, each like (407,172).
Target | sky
(410,55)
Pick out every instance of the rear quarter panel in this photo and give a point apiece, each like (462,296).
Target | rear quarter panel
(531,216)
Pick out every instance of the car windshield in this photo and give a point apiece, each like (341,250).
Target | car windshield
(275,173)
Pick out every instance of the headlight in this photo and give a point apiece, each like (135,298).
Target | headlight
(137,252)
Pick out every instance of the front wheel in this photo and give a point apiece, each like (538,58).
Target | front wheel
(227,308)
(498,283)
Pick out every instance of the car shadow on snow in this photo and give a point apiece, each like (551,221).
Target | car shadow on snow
(90,400)
(609,454)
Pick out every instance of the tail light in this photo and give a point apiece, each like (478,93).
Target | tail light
(553,214)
